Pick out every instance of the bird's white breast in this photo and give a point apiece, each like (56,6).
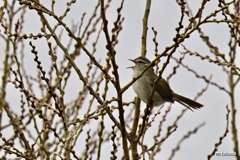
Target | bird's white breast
(143,90)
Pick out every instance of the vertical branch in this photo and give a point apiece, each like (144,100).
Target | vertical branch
(116,83)
(145,28)
(232,98)
(232,82)
(233,122)
(134,139)
(6,59)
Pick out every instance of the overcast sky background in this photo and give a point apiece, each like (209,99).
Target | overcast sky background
(164,17)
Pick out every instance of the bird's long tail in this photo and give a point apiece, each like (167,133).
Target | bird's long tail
(190,104)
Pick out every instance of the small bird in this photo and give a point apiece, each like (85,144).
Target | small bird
(163,93)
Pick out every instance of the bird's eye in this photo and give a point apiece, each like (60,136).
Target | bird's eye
(140,62)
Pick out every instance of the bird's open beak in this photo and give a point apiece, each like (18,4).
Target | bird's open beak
(131,60)
(131,66)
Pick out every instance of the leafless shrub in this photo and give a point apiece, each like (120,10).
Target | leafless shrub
(61,93)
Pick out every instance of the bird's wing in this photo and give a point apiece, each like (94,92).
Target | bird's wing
(163,89)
